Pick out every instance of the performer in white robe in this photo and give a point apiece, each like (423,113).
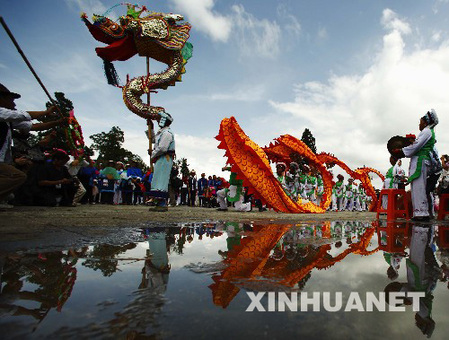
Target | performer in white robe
(292,180)
(338,193)
(162,157)
(420,162)
(348,200)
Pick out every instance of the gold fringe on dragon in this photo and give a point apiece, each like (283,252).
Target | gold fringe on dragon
(252,165)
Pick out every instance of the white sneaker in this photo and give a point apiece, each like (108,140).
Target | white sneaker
(5,206)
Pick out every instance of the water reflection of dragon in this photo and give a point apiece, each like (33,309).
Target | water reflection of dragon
(250,262)
(158,36)
(252,164)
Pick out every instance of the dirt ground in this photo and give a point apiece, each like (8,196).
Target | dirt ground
(22,223)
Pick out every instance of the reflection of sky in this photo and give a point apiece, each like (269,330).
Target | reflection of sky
(187,311)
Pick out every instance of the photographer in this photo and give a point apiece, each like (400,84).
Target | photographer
(55,185)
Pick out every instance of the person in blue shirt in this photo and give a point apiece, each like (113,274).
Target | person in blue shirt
(134,171)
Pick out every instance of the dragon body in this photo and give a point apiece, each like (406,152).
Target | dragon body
(252,165)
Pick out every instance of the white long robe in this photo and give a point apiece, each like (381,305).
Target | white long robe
(418,186)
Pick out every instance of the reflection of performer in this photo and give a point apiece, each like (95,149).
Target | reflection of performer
(233,194)
(156,271)
(422,274)
(394,261)
(162,157)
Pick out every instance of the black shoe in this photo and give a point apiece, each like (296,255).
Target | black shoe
(159,208)
(421,218)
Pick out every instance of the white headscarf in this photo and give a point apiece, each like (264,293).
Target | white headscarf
(431,118)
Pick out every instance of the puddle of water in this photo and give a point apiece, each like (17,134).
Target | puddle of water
(197,281)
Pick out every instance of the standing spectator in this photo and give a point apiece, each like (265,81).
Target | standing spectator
(174,186)
(184,190)
(118,183)
(135,176)
(134,171)
(147,178)
(399,175)
(108,176)
(137,191)
(192,186)
(443,182)
(86,176)
(110,172)
(126,186)
(202,186)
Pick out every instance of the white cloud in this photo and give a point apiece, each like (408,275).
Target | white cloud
(76,72)
(438,3)
(256,37)
(322,33)
(88,6)
(357,114)
(243,93)
(391,21)
(436,36)
(201,15)
(290,23)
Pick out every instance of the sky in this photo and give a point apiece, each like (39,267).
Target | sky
(355,73)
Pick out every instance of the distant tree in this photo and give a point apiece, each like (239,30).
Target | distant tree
(65,105)
(88,151)
(103,257)
(309,140)
(183,166)
(109,146)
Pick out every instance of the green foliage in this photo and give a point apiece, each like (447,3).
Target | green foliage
(182,164)
(309,140)
(64,104)
(109,147)
(60,140)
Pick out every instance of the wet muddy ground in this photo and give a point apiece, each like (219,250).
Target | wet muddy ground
(31,223)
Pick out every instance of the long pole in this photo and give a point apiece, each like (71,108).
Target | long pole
(25,59)
(149,122)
